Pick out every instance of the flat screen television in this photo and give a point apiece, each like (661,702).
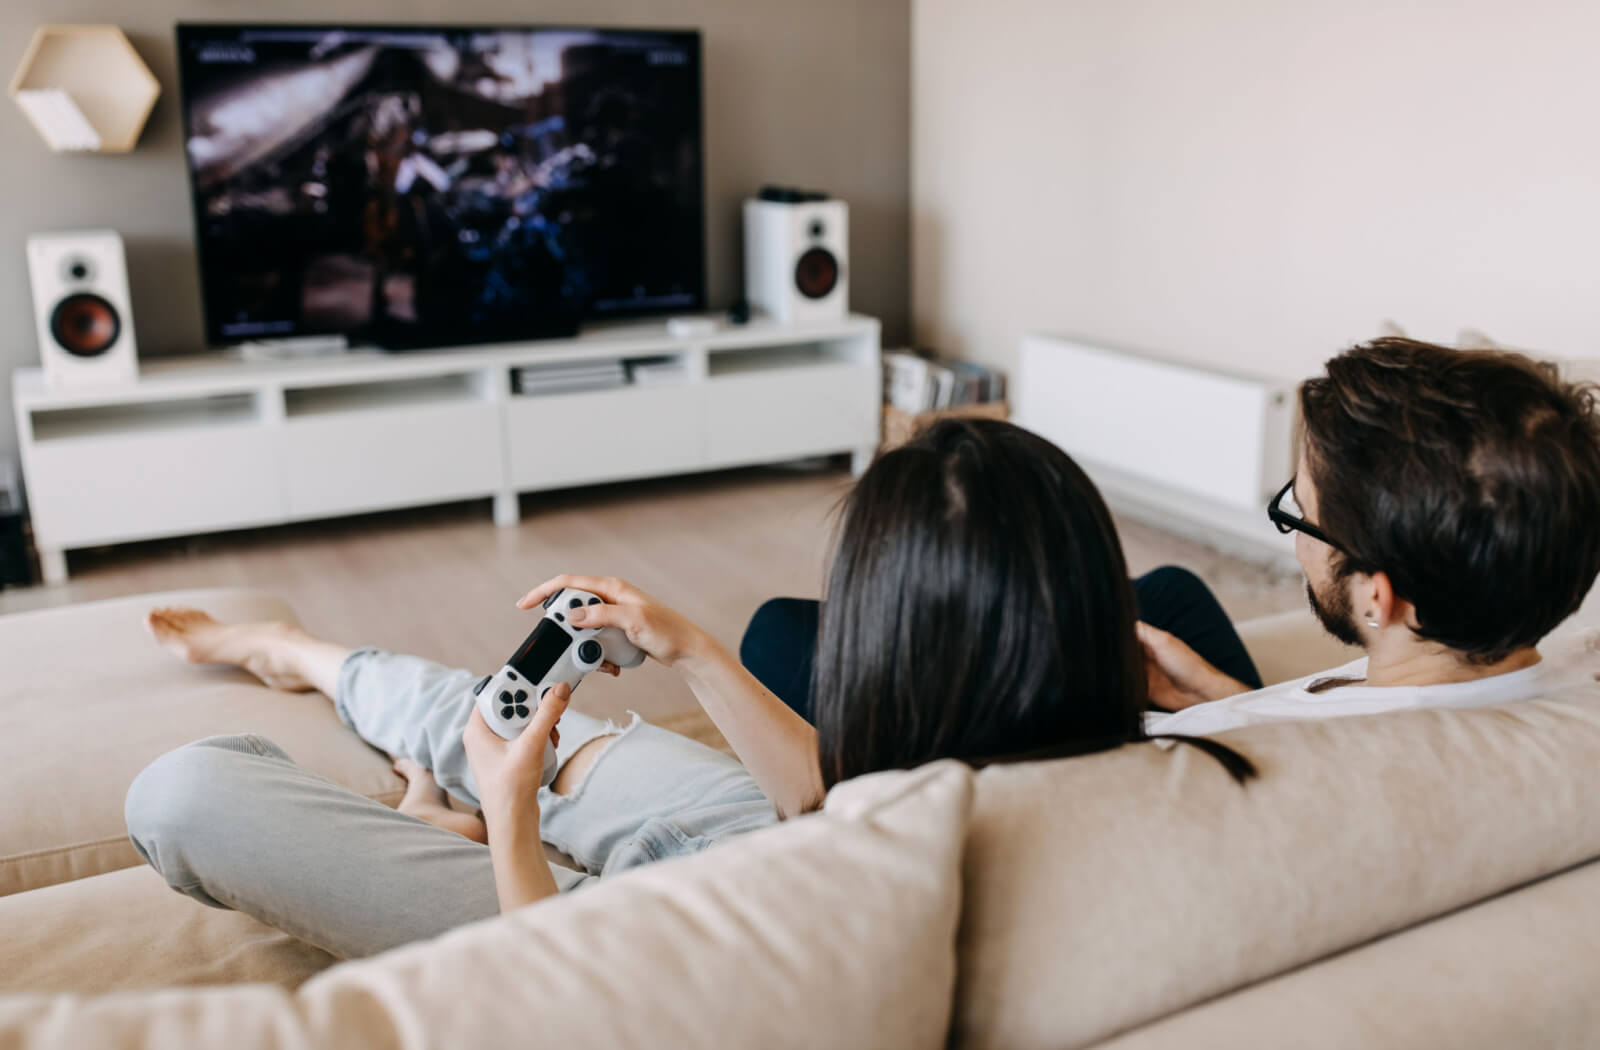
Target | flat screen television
(419,186)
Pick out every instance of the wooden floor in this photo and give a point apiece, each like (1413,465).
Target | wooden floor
(441,582)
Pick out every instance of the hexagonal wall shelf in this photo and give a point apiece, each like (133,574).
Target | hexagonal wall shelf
(85,88)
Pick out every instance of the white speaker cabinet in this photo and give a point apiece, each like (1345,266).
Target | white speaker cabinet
(81,308)
(796,260)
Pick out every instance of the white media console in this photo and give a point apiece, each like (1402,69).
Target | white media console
(206,443)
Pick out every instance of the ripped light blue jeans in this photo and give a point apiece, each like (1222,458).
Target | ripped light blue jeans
(233,822)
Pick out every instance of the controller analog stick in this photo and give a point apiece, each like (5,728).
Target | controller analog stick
(590,652)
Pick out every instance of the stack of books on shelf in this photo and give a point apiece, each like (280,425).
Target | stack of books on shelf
(914,382)
(919,388)
(571,377)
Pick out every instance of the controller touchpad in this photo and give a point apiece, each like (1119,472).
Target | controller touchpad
(541,651)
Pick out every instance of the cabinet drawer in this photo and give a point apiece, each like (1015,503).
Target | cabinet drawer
(151,483)
(349,462)
(570,439)
(782,414)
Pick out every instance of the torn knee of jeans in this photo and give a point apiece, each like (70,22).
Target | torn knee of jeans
(606,737)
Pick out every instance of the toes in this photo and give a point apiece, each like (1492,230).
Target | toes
(410,771)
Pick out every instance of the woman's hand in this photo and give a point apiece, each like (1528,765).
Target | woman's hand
(655,628)
(508,772)
(1180,677)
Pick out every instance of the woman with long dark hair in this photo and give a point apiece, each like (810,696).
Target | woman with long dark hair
(978,608)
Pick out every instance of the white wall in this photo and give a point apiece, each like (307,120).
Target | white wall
(1254,183)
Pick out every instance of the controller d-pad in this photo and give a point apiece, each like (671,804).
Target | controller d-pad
(575,603)
(505,697)
(506,713)
(522,712)
(522,696)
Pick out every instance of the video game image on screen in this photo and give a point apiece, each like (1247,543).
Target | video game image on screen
(433,186)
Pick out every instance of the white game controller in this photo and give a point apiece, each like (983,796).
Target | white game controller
(557,651)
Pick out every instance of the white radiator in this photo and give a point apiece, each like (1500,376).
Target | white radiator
(1197,450)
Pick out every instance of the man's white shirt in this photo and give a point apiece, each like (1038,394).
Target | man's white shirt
(1566,662)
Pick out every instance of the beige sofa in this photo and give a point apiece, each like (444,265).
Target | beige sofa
(1408,880)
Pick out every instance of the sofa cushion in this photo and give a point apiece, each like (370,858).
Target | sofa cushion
(835,930)
(1516,971)
(88,699)
(127,929)
(1105,892)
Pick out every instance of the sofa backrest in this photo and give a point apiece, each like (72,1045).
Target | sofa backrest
(1102,893)
(836,929)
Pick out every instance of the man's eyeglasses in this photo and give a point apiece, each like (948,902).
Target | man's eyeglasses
(1286,514)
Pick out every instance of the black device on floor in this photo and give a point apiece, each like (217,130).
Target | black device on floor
(16,560)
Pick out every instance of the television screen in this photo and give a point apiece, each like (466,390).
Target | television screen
(423,186)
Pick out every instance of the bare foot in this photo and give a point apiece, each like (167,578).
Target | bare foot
(259,648)
(421,788)
(426,800)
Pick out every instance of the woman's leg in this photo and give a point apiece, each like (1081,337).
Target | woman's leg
(406,706)
(280,654)
(234,823)
(779,644)
(1179,602)
(642,793)
(426,800)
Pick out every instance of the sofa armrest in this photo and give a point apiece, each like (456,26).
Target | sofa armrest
(87,700)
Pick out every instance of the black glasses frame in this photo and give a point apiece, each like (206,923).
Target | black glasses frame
(1288,523)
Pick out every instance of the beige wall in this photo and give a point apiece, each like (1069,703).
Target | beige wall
(815,93)
(1253,183)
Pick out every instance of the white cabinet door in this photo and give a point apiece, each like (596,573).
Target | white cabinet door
(577,439)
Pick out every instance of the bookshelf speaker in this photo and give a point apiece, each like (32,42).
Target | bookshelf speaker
(81,308)
(796,259)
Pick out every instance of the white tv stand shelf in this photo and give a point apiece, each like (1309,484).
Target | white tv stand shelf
(212,442)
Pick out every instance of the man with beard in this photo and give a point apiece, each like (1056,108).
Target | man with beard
(1445,513)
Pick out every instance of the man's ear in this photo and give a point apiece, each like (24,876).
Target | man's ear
(1381,603)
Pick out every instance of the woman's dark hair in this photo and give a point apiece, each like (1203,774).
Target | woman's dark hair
(1470,478)
(978,608)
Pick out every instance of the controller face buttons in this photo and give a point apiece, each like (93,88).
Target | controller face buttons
(555,652)
(513,704)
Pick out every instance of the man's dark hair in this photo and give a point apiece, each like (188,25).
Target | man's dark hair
(978,608)
(1470,478)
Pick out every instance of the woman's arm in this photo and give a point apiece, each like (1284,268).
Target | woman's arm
(522,875)
(508,773)
(775,744)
